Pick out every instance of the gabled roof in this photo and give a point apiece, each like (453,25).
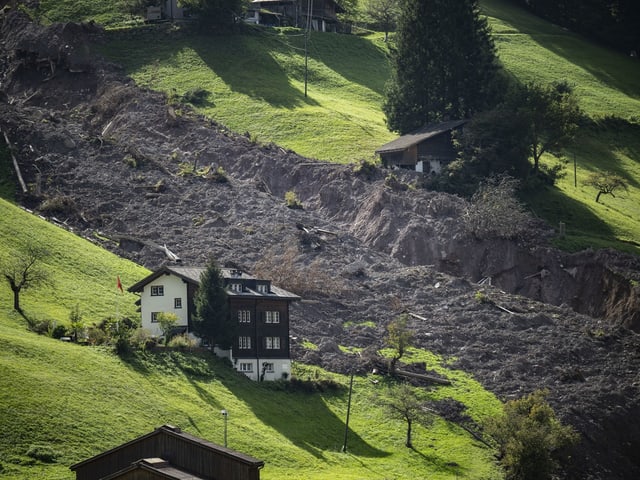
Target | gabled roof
(192,275)
(177,432)
(419,136)
(159,467)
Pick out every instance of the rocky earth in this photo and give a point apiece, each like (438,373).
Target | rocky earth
(111,161)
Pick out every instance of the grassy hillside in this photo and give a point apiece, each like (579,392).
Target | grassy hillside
(78,401)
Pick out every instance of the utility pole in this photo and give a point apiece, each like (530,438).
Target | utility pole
(225,415)
(346,423)
(306,44)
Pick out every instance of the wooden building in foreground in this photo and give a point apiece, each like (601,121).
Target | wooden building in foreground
(169,453)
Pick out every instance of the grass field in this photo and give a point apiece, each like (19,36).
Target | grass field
(78,401)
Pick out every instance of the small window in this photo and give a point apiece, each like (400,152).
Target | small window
(157,290)
(272,343)
(272,317)
(244,343)
(267,367)
(236,287)
(244,316)
(154,317)
(177,303)
(246,367)
(262,288)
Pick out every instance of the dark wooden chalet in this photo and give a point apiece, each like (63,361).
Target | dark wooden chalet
(324,13)
(426,150)
(169,453)
(261,348)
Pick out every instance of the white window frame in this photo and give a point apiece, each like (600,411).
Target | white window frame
(268,367)
(245,367)
(244,316)
(154,317)
(235,287)
(262,288)
(157,290)
(177,303)
(244,343)
(272,343)
(272,317)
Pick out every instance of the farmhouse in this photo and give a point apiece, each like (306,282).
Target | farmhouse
(261,349)
(281,13)
(426,150)
(169,453)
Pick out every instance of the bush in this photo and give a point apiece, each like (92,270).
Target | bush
(43,453)
(530,437)
(183,342)
(291,200)
(142,339)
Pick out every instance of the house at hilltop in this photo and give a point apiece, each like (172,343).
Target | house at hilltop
(281,13)
(261,348)
(169,453)
(426,150)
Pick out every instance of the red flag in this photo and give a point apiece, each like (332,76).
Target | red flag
(120,285)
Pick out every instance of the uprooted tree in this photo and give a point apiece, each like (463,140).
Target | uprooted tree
(399,338)
(24,271)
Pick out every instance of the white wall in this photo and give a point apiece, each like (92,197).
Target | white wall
(174,287)
(280,366)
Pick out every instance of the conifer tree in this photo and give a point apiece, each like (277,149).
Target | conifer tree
(443,64)
(212,321)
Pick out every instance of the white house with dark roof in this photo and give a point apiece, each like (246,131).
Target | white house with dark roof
(261,349)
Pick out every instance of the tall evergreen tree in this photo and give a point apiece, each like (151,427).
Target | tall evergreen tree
(212,320)
(443,64)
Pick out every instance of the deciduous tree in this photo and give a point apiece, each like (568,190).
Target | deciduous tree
(384,14)
(552,114)
(606,183)
(443,64)
(399,338)
(24,271)
(212,320)
(404,402)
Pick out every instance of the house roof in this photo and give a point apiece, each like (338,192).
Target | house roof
(158,466)
(192,275)
(419,136)
(177,432)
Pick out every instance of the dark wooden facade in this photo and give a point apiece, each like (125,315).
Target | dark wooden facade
(167,452)
(426,150)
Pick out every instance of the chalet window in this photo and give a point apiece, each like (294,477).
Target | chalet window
(244,343)
(262,288)
(272,343)
(177,303)
(244,316)
(157,290)
(236,287)
(154,317)
(246,367)
(272,317)
(267,367)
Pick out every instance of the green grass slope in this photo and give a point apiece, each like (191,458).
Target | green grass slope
(78,401)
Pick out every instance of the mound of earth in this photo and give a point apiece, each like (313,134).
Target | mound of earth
(124,167)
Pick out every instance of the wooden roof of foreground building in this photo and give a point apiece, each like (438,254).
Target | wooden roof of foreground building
(169,453)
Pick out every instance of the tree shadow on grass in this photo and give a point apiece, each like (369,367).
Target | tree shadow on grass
(302,417)
(248,70)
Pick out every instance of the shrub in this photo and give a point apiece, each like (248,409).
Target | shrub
(142,339)
(365,167)
(183,342)
(43,453)
(291,200)
(530,437)
(58,205)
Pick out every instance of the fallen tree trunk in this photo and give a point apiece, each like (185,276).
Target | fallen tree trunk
(16,167)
